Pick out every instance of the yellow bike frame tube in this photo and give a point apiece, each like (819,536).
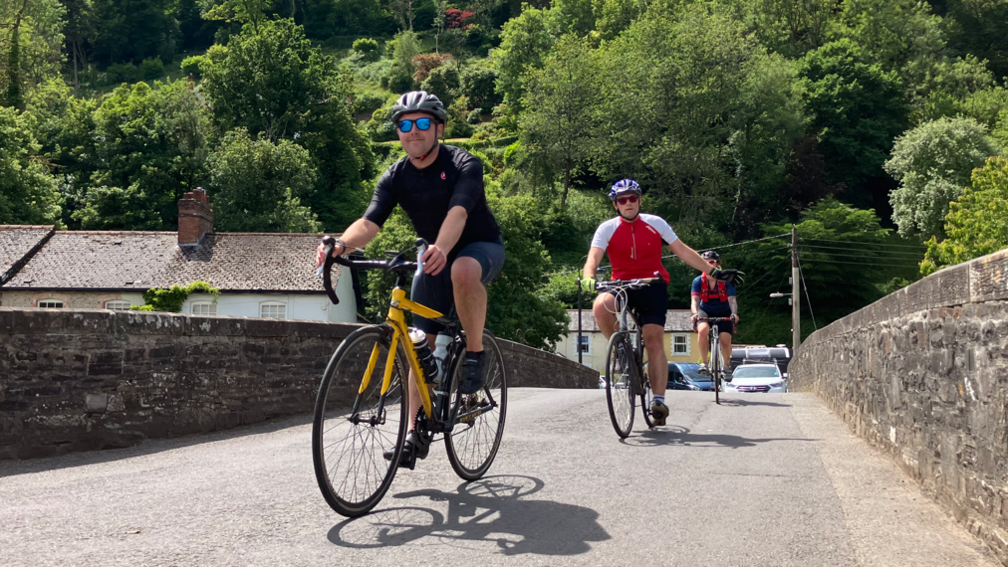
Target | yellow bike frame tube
(372,362)
(398,322)
(387,379)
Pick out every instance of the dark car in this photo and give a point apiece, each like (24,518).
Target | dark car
(686,376)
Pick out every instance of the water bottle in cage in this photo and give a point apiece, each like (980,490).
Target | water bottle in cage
(424,355)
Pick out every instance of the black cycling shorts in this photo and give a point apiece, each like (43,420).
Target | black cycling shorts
(649,303)
(722,327)
(437,291)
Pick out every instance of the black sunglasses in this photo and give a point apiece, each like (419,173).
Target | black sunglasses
(421,124)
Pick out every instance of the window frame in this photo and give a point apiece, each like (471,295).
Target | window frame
(211,312)
(586,344)
(62,304)
(685,344)
(265,304)
(128,304)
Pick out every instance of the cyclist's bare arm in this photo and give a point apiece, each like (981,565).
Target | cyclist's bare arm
(688,255)
(436,256)
(595,255)
(695,304)
(357,235)
(733,303)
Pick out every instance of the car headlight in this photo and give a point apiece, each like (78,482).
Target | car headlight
(777,384)
(693,387)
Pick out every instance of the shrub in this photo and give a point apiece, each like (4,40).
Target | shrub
(457,125)
(424,63)
(368,48)
(192,65)
(122,73)
(152,68)
(479,83)
(443,82)
(366,103)
(160,299)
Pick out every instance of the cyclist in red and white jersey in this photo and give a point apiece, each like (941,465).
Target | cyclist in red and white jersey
(635,242)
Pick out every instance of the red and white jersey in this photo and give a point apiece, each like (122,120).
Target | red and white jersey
(635,248)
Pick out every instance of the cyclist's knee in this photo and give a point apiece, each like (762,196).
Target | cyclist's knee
(466,270)
(606,301)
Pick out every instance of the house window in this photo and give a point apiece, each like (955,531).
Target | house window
(50,304)
(680,344)
(584,345)
(204,308)
(273,310)
(117,305)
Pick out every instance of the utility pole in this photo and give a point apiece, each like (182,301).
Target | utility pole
(795,293)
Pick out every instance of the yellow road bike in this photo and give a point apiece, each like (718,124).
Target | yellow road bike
(361,413)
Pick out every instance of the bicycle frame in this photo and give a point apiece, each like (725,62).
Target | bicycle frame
(396,319)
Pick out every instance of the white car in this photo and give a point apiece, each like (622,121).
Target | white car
(764,378)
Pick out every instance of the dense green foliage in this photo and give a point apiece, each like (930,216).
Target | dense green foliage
(738,117)
(977,222)
(171,299)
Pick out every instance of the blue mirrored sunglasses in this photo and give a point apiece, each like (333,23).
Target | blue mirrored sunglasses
(421,124)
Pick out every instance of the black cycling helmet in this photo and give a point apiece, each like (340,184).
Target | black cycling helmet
(711,255)
(419,101)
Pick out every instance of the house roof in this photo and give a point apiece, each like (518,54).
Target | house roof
(16,241)
(121,260)
(676,321)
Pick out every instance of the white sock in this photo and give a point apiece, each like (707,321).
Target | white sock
(659,398)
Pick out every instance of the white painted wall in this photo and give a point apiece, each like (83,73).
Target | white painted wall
(299,306)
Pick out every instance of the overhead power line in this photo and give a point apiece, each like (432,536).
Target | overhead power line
(862,250)
(915,246)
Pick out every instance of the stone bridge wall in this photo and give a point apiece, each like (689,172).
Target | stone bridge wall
(81,380)
(923,375)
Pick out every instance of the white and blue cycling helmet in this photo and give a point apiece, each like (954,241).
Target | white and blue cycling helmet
(622,187)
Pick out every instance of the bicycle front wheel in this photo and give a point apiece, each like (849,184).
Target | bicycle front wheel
(478,419)
(715,365)
(353,430)
(620,374)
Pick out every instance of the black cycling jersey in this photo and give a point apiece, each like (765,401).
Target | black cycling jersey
(454,179)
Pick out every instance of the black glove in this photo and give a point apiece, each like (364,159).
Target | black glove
(733,277)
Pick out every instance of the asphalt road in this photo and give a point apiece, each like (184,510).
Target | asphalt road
(763,480)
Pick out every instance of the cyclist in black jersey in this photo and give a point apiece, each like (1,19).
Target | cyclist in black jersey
(440,188)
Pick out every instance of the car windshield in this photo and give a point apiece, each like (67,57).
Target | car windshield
(695,376)
(756,372)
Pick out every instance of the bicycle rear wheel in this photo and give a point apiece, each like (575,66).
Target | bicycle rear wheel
(475,437)
(348,445)
(620,376)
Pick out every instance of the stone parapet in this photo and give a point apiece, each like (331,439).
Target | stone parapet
(922,374)
(83,380)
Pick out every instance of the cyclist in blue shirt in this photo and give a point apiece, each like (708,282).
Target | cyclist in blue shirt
(713,298)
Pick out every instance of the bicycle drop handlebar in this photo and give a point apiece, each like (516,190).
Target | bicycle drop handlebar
(625,284)
(395,263)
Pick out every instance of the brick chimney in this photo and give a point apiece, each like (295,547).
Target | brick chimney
(194,217)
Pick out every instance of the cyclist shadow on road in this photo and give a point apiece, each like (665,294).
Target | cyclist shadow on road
(678,435)
(490,510)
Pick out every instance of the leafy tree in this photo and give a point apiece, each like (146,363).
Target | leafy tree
(614,16)
(858,109)
(275,83)
(28,194)
(130,30)
(31,43)
(151,149)
(477,82)
(242,11)
(257,185)
(525,42)
(932,163)
(697,112)
(443,82)
(79,31)
(171,299)
(978,27)
(977,222)
(64,127)
(853,258)
(556,129)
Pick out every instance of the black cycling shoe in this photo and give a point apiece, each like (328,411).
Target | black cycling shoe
(413,449)
(473,376)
